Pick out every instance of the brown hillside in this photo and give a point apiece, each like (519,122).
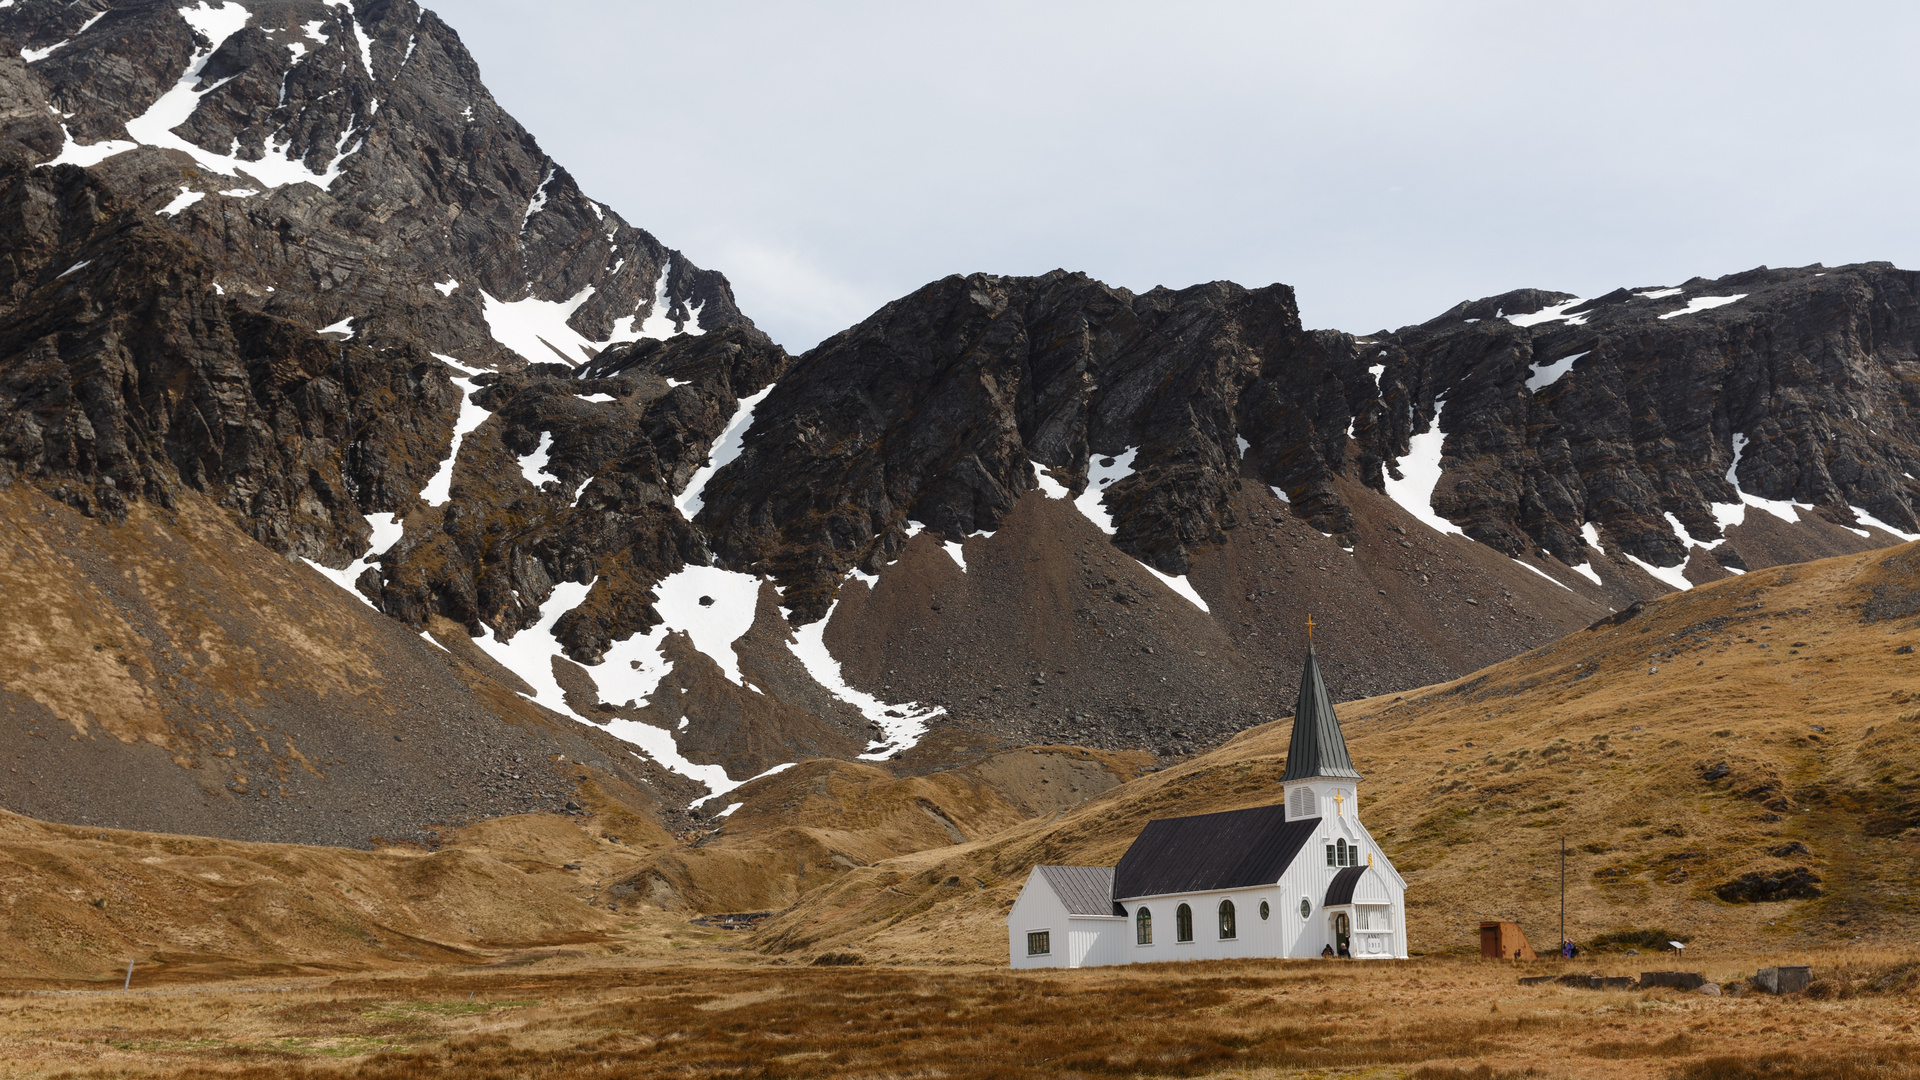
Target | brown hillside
(1693,752)
(1736,763)
(168,674)
(81,903)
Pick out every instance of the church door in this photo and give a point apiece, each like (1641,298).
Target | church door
(1342,936)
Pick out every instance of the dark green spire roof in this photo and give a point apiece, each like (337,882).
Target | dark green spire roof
(1316,747)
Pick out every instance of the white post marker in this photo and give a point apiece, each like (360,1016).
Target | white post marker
(129,984)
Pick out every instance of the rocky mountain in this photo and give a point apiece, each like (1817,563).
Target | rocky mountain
(289,299)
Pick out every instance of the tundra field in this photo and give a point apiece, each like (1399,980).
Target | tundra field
(580,1011)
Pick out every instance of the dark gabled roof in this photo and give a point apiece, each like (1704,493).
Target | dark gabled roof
(1233,850)
(1086,890)
(1316,747)
(1341,890)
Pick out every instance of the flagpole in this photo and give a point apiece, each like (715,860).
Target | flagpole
(1563,896)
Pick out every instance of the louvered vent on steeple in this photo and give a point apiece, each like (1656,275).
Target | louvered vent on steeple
(1302,803)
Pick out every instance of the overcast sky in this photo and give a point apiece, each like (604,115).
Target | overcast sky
(1386,159)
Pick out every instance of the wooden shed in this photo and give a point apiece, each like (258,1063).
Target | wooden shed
(1504,941)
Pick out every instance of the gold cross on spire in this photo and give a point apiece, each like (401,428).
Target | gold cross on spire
(1339,803)
(1309,629)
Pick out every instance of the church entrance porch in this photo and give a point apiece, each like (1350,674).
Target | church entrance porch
(1362,931)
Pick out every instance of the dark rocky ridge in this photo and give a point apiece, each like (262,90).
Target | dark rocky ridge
(128,375)
(1819,368)
(180,363)
(932,410)
(936,408)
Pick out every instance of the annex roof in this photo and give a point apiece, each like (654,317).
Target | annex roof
(1236,849)
(1085,890)
(1340,890)
(1316,747)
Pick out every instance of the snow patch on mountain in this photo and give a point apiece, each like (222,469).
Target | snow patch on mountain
(1549,314)
(1591,533)
(1420,475)
(658,324)
(1881,525)
(387,531)
(1545,375)
(901,725)
(1704,303)
(541,330)
(1104,471)
(539,201)
(440,488)
(775,771)
(713,607)
(725,449)
(359,35)
(534,465)
(1731,514)
(1051,488)
(1524,565)
(538,329)
(186,198)
(155,127)
(89,154)
(1672,575)
(34,56)
(713,627)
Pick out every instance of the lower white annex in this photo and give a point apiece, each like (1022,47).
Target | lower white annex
(1302,878)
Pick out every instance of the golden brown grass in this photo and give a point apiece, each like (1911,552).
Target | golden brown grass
(1672,751)
(1441,1018)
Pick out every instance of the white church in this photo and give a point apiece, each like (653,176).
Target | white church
(1299,879)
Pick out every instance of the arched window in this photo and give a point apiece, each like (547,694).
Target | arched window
(1183,923)
(1340,852)
(1227,929)
(1143,927)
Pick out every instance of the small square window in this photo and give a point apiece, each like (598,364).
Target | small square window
(1039,942)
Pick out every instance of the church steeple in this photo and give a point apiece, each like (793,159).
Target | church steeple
(1316,747)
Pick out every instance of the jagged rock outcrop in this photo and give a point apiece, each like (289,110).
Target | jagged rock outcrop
(938,408)
(620,438)
(127,374)
(1815,372)
(933,409)
(344,161)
